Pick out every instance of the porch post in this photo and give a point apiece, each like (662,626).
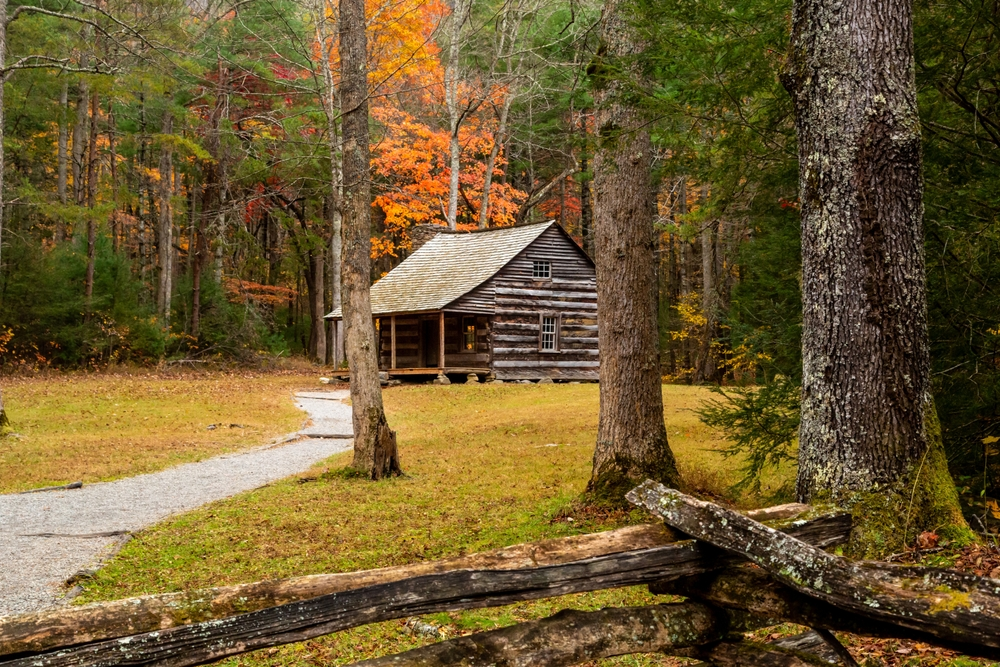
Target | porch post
(441,336)
(392,332)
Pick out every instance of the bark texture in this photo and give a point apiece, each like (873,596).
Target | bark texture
(864,339)
(631,438)
(868,434)
(374,442)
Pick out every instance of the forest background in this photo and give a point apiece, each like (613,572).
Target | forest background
(167,185)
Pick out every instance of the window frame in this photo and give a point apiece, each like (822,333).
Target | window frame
(535,264)
(466,320)
(557,326)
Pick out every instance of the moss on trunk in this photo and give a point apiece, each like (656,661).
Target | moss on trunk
(608,486)
(887,519)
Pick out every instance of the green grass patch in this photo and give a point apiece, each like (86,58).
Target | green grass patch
(486,466)
(96,427)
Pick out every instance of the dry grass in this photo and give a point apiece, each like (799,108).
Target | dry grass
(75,426)
(487,466)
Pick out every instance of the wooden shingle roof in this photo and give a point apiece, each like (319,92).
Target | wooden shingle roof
(448,267)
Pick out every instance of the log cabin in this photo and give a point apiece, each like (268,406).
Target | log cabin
(512,303)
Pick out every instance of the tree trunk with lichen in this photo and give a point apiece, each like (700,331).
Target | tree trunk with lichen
(868,436)
(631,438)
(375,452)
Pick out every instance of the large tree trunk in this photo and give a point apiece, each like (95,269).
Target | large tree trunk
(374,442)
(166,234)
(866,413)
(631,437)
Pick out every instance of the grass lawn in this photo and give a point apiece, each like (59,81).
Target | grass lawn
(487,466)
(95,427)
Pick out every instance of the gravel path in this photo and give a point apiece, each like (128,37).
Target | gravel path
(47,537)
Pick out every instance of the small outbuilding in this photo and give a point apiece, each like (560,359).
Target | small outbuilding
(519,303)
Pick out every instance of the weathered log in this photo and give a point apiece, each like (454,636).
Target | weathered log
(31,633)
(808,642)
(448,591)
(121,618)
(945,604)
(754,591)
(571,637)
(750,654)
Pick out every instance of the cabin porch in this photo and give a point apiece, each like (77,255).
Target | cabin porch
(441,342)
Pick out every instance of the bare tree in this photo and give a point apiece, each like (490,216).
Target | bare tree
(325,37)
(166,235)
(460,10)
(631,439)
(374,442)
(508,58)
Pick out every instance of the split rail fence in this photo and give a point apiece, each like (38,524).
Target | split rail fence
(735,572)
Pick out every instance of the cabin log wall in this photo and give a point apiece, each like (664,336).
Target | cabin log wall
(521,300)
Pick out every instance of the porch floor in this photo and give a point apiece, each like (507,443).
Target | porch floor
(448,370)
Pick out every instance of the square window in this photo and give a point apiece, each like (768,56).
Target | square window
(548,333)
(540,268)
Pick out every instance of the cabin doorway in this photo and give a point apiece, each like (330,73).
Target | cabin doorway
(429,343)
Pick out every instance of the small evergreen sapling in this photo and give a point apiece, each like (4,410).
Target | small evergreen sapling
(761,422)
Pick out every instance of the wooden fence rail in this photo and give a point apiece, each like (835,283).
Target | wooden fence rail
(794,580)
(452,590)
